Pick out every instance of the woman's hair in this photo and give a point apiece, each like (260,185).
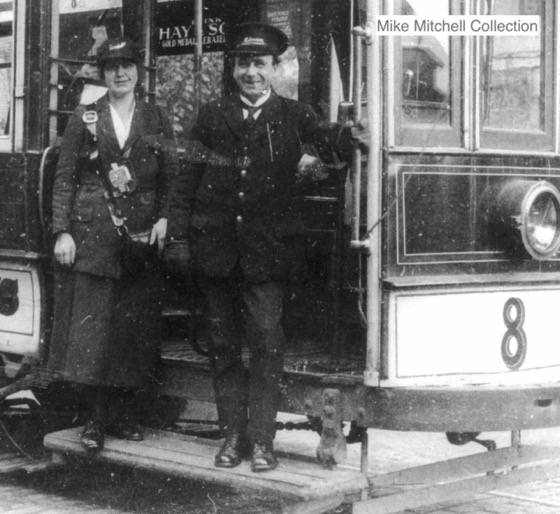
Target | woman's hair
(101,68)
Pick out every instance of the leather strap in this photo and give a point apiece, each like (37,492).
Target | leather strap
(116,213)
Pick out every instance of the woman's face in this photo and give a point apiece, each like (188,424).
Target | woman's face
(121,77)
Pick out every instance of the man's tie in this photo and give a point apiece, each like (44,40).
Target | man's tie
(250,119)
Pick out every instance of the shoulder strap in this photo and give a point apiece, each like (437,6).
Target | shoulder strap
(90,119)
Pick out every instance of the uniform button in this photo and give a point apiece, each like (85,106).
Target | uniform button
(243,173)
(241,194)
(239,219)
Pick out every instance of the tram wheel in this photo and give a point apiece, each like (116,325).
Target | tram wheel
(22,427)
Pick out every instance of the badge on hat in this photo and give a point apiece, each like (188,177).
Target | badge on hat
(118,48)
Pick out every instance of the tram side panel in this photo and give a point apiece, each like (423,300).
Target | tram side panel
(23,309)
(16,230)
(469,333)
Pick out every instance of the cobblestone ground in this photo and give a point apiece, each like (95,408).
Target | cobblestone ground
(91,487)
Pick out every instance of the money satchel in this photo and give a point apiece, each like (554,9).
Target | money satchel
(137,255)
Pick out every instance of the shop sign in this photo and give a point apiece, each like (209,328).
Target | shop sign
(175,28)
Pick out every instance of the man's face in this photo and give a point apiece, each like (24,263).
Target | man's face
(253,74)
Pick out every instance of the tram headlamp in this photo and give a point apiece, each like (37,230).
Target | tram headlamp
(526,217)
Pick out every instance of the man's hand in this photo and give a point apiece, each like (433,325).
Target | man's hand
(311,169)
(360,134)
(65,249)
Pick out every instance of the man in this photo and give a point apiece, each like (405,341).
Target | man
(246,236)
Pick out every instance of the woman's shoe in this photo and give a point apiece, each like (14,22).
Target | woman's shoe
(92,436)
(125,430)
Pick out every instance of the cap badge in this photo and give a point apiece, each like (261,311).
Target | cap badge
(253,41)
(118,46)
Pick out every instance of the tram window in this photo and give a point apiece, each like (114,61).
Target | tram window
(6,47)
(78,28)
(516,81)
(427,82)
(175,43)
(178,86)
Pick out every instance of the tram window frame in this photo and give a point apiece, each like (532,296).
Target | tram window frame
(11,138)
(83,67)
(504,139)
(415,134)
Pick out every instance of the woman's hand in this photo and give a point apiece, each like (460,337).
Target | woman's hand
(65,249)
(159,231)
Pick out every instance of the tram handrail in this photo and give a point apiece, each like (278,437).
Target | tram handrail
(355,241)
(374,93)
(41,187)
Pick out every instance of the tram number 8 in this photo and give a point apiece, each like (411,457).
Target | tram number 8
(514,342)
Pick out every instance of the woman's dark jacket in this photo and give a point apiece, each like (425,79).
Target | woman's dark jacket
(79,206)
(247,215)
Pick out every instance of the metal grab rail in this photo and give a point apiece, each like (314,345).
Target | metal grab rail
(371,243)
(357,153)
(41,187)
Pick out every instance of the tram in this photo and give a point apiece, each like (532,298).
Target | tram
(428,301)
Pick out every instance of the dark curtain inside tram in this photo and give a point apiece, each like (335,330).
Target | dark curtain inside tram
(330,19)
(132,20)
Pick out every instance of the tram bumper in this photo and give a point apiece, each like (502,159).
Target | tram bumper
(463,409)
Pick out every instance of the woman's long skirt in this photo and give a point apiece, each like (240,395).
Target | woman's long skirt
(106,332)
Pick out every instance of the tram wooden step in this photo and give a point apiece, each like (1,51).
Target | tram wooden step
(193,458)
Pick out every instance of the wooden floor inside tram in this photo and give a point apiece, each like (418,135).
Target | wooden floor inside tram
(302,357)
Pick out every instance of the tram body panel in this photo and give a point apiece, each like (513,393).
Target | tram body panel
(439,208)
(473,336)
(20,307)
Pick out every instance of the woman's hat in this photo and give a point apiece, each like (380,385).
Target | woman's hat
(118,48)
(257,38)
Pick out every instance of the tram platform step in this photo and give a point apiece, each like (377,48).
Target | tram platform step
(192,457)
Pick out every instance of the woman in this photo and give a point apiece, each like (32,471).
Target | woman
(107,324)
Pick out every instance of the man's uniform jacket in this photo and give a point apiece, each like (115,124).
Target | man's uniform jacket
(248,214)
(79,206)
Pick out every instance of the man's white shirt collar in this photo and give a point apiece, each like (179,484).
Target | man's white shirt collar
(258,103)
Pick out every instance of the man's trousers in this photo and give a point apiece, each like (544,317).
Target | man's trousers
(242,313)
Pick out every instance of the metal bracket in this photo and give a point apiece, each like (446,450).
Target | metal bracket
(361,245)
(366,31)
(332,447)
